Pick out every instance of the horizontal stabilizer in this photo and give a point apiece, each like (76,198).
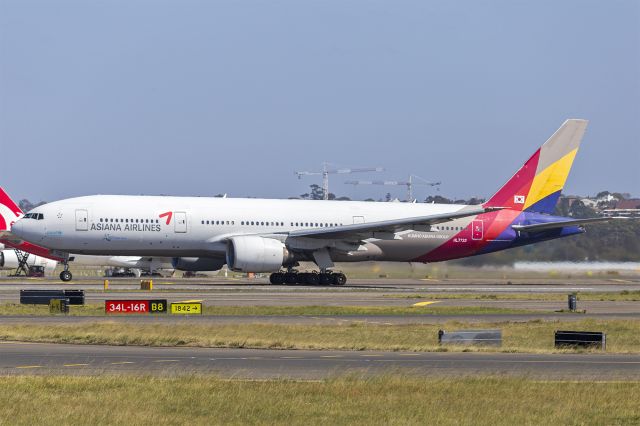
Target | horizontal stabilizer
(538,227)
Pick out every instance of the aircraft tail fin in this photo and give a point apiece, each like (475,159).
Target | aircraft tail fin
(9,211)
(537,185)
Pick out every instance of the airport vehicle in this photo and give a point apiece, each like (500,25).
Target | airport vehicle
(266,235)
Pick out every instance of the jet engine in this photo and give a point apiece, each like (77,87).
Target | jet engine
(9,260)
(196,264)
(256,254)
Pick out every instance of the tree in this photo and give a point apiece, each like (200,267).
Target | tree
(580,211)
(437,199)
(316,192)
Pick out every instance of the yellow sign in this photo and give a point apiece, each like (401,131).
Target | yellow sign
(186,308)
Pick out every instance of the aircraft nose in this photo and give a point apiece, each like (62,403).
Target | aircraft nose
(16,228)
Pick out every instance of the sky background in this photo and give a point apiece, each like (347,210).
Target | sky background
(200,98)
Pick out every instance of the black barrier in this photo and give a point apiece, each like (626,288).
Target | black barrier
(42,297)
(593,339)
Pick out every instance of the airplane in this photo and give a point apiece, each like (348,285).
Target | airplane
(11,259)
(273,235)
(31,255)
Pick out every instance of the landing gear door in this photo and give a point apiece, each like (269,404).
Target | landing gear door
(477,230)
(82,220)
(180,222)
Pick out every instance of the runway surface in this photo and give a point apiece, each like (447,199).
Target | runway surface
(471,285)
(23,358)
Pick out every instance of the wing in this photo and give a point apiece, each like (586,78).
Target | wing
(359,231)
(538,227)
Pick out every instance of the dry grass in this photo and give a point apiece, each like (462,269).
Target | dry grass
(395,400)
(98,310)
(623,336)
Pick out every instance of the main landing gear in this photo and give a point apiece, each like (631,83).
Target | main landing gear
(308,278)
(65,275)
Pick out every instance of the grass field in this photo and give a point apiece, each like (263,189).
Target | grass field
(98,310)
(623,336)
(391,400)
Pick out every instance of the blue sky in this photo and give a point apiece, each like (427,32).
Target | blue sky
(199,98)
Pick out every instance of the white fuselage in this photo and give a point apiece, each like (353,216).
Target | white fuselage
(193,226)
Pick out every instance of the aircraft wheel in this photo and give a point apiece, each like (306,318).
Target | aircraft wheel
(65,276)
(276,278)
(339,279)
(326,279)
(290,278)
(312,279)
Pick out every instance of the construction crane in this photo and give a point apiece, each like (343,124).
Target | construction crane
(326,171)
(408,183)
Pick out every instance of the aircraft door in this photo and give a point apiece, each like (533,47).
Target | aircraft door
(82,220)
(358,219)
(477,230)
(180,222)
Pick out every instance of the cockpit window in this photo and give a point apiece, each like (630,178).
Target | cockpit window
(36,216)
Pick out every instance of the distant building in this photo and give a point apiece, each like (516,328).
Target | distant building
(627,208)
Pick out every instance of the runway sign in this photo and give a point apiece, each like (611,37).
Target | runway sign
(186,308)
(135,306)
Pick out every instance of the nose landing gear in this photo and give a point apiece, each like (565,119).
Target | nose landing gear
(66,275)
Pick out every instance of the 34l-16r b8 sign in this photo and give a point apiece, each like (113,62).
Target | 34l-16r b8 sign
(135,306)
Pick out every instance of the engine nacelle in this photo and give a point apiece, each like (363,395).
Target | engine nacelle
(9,260)
(196,264)
(256,254)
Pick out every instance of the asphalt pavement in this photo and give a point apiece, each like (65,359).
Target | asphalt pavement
(60,359)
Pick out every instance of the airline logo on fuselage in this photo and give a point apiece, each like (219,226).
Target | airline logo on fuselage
(132,227)
(127,227)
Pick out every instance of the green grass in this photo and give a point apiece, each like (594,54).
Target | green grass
(98,310)
(623,336)
(391,400)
